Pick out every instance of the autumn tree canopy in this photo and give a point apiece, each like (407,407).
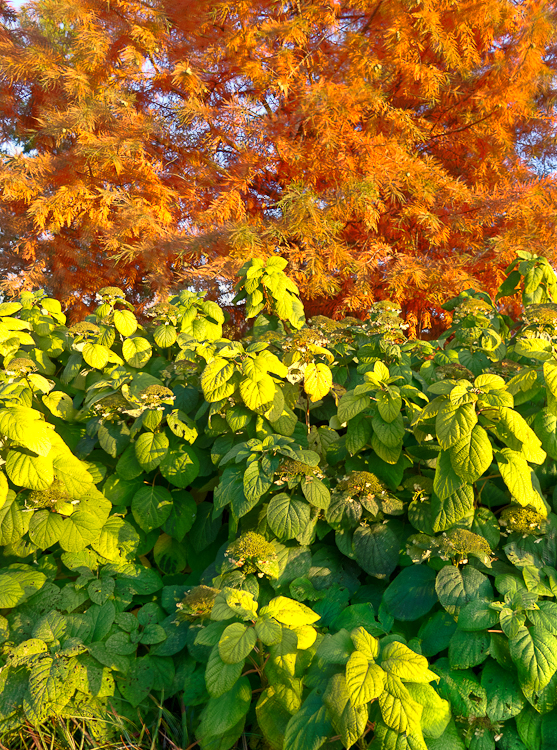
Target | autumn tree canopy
(385,148)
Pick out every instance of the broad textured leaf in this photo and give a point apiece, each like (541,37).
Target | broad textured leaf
(287,517)
(517,476)
(350,405)
(256,481)
(215,380)
(400,661)
(125,322)
(458,507)
(398,710)
(534,651)
(79,530)
(15,520)
(412,593)
(45,528)
(151,506)
(456,588)
(310,727)
(316,492)
(220,676)
(257,393)
(389,404)
(468,649)
(504,697)
(364,679)
(436,712)
(454,424)
(472,456)
(223,713)
(446,481)
(289,612)
(137,351)
(180,466)
(150,449)
(389,433)
(96,355)
(318,380)
(376,549)
(236,643)
(33,472)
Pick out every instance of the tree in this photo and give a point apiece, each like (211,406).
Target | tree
(395,149)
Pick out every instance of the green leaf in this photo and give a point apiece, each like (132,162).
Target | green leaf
(236,643)
(316,492)
(289,612)
(25,427)
(117,538)
(514,430)
(389,403)
(257,393)
(220,676)
(349,721)
(350,405)
(517,475)
(412,593)
(138,682)
(256,481)
(453,425)
(436,712)
(150,449)
(398,710)
(287,517)
(364,679)
(182,516)
(169,554)
(456,588)
(137,352)
(389,433)
(268,630)
(151,506)
(272,718)
(125,322)
(14,519)
(128,467)
(550,375)
(472,456)
(534,651)
(477,615)
(458,507)
(50,686)
(79,530)
(96,355)
(221,714)
(504,697)
(165,335)
(446,481)
(376,549)
(45,528)
(318,380)
(400,661)
(310,727)
(114,437)
(545,425)
(180,466)
(33,472)
(468,649)
(60,405)
(215,380)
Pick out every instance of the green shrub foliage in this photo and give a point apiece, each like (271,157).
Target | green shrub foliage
(323,534)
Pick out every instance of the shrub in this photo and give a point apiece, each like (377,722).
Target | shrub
(323,533)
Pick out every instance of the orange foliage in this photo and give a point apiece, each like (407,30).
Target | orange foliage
(394,148)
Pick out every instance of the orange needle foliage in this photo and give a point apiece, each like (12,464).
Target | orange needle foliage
(394,148)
